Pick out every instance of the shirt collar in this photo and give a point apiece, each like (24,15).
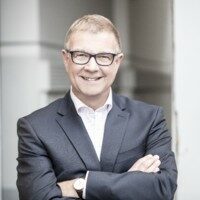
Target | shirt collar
(79,104)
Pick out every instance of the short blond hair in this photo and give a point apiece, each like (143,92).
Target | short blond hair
(92,23)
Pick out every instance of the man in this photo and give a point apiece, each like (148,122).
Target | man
(93,144)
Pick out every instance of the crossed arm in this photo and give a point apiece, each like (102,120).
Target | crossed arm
(150,178)
(147,164)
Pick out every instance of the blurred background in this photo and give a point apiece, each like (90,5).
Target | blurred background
(161,44)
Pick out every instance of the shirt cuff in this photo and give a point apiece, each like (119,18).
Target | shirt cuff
(84,189)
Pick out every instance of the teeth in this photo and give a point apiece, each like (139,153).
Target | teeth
(90,79)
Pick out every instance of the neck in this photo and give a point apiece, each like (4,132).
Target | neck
(93,101)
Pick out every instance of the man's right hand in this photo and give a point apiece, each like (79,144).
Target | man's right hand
(68,189)
(147,164)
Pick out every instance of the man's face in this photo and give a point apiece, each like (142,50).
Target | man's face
(91,79)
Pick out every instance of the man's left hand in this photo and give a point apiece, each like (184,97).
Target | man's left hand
(147,164)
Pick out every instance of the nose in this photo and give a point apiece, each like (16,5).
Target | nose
(92,65)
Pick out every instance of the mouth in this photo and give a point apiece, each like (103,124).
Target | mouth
(91,79)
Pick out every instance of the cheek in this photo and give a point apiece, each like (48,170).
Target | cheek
(71,70)
(70,74)
(114,72)
(111,76)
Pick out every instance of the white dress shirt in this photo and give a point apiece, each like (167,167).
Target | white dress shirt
(94,122)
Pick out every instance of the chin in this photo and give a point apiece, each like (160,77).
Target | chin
(92,93)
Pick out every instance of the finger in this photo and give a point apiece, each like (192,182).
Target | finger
(144,163)
(137,164)
(156,157)
(156,170)
(154,166)
(148,163)
(151,164)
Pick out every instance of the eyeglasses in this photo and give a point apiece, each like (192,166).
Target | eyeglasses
(82,58)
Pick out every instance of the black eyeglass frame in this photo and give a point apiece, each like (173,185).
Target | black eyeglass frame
(90,56)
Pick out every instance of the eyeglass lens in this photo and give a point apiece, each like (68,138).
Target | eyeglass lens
(103,59)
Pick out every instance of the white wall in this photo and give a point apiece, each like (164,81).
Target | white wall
(187,96)
(0,131)
(0,115)
(19,22)
(151,34)
(57,16)
(151,51)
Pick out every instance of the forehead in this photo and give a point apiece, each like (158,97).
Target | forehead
(93,42)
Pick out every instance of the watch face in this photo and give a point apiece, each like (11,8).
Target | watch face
(79,184)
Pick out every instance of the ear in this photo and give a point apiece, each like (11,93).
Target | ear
(119,59)
(65,59)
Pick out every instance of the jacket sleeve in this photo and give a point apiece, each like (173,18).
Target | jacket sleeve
(36,179)
(139,185)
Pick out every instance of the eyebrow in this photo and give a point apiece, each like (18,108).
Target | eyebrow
(81,50)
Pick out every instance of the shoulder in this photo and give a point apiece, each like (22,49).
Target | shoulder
(42,115)
(135,106)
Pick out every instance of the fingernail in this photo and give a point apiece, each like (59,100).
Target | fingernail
(157,169)
(158,162)
(156,157)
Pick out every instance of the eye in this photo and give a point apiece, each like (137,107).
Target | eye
(80,55)
(105,56)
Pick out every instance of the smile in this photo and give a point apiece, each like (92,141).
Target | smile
(91,79)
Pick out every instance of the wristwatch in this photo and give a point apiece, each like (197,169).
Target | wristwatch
(79,185)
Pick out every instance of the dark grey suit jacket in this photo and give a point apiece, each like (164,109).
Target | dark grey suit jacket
(54,146)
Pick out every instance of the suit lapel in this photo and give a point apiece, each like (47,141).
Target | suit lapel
(74,129)
(113,136)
